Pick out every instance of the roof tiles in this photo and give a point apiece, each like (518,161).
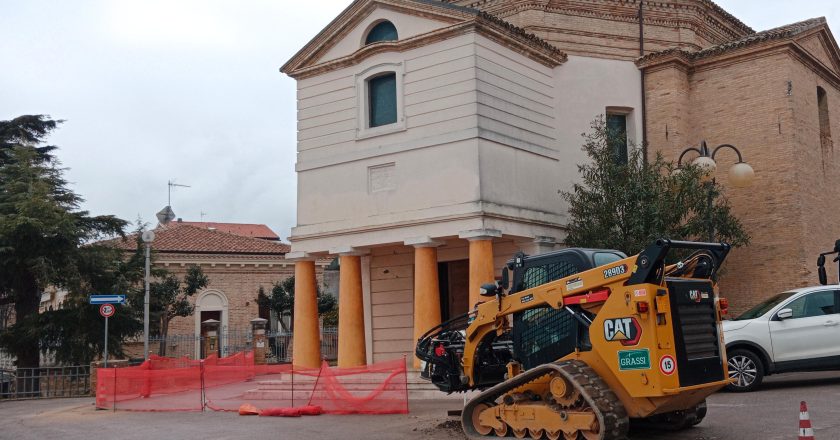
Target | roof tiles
(192,239)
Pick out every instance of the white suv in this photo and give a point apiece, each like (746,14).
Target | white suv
(797,330)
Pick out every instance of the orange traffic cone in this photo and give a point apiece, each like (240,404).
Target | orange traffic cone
(805,430)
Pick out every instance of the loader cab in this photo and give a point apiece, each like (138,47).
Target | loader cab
(545,334)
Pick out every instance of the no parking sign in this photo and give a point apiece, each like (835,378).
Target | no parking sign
(107,311)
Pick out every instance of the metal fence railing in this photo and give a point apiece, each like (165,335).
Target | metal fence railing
(279,347)
(45,382)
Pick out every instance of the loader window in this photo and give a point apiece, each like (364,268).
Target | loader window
(544,334)
(537,275)
(602,258)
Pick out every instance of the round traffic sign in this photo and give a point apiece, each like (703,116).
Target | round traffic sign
(107,310)
(667,365)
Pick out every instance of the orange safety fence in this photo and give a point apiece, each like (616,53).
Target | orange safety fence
(226,384)
(373,389)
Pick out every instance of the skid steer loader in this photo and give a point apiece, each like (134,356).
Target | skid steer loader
(586,341)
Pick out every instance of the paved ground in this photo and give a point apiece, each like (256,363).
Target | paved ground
(772,413)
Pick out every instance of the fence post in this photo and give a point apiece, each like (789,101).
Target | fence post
(203,393)
(115,388)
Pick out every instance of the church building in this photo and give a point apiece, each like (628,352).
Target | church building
(435,135)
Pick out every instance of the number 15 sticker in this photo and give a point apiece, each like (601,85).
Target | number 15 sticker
(667,365)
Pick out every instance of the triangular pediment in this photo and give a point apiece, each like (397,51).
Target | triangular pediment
(821,45)
(345,34)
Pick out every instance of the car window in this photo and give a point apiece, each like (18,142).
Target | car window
(764,306)
(813,304)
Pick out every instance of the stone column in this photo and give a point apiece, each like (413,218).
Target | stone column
(481,260)
(351,312)
(426,287)
(258,332)
(306,339)
(211,337)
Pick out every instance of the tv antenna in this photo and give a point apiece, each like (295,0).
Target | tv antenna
(203,214)
(171,185)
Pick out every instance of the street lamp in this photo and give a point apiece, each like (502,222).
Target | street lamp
(741,174)
(148,237)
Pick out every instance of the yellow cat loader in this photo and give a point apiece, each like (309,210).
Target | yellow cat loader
(586,341)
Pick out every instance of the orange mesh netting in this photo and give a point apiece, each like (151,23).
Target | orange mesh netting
(374,389)
(226,384)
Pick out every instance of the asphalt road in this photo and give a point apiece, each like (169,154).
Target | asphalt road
(771,413)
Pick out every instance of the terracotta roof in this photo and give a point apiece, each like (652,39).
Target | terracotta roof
(243,229)
(196,240)
(779,33)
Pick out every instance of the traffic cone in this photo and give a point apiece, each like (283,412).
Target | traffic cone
(805,430)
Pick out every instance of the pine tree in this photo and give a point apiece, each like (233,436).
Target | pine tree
(42,231)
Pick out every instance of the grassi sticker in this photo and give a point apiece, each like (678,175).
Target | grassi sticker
(573,284)
(625,330)
(634,359)
(667,365)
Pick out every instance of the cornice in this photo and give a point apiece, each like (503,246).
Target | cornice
(353,15)
(493,28)
(725,25)
(684,60)
(433,220)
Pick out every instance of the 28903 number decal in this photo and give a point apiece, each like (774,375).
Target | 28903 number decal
(615,271)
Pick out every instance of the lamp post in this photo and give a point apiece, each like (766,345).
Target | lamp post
(741,174)
(148,237)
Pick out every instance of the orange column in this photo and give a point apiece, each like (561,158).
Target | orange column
(351,317)
(481,266)
(426,291)
(306,351)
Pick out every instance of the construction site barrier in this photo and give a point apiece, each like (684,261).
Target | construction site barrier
(226,384)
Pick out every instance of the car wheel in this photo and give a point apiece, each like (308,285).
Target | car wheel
(746,369)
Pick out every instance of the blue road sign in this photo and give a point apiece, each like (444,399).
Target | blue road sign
(107,299)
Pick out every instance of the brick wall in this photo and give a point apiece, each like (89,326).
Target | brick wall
(239,282)
(744,101)
(610,29)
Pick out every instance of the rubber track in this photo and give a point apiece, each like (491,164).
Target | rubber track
(608,409)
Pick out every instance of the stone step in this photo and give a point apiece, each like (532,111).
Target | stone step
(309,386)
(299,396)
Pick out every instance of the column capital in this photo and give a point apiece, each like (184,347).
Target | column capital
(422,242)
(539,240)
(480,234)
(299,256)
(348,251)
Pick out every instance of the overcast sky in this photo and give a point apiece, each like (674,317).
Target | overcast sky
(153,90)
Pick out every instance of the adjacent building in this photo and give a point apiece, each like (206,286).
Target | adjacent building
(236,266)
(434,137)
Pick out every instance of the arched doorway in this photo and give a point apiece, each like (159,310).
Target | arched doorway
(211,304)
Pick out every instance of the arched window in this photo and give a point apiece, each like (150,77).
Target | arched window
(825,120)
(384,31)
(382,99)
